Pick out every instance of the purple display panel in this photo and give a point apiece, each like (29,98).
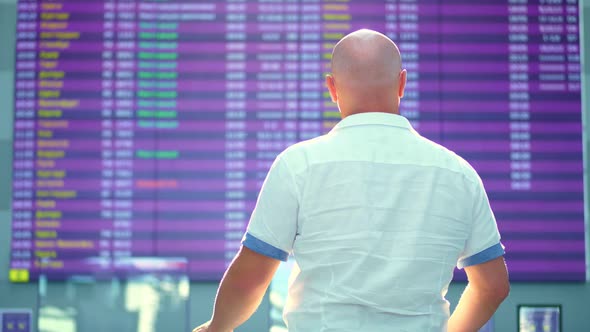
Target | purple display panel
(146,128)
(510,105)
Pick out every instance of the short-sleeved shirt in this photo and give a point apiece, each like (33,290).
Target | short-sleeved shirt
(377,217)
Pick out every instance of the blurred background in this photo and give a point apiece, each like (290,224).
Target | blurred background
(135,135)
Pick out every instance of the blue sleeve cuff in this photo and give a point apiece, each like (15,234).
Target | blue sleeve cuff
(488,254)
(263,248)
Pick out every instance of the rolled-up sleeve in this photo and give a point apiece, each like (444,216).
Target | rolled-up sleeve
(483,243)
(273,224)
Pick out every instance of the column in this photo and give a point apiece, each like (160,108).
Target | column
(269,95)
(414,27)
(181,99)
(107,125)
(336,22)
(125,231)
(22,246)
(238,82)
(519,96)
(556,190)
(311,86)
(70,224)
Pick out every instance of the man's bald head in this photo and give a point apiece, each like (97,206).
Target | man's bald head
(366,73)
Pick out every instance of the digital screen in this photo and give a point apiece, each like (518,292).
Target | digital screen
(535,318)
(145,128)
(15,320)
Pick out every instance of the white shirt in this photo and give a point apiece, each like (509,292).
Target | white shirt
(377,217)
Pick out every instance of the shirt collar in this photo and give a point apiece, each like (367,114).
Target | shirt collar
(374,118)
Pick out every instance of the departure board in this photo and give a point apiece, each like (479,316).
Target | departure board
(145,128)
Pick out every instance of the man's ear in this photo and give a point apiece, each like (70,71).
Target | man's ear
(331,84)
(403,75)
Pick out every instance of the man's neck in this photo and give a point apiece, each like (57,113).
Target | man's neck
(388,111)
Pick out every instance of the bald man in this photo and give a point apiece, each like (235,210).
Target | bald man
(376,216)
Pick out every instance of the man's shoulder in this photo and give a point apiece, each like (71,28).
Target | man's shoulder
(299,155)
(448,158)
(302,148)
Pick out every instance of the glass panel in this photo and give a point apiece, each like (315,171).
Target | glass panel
(278,296)
(142,294)
(539,318)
